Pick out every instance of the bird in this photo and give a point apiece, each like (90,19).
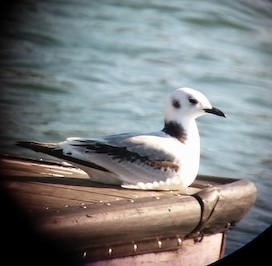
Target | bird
(167,159)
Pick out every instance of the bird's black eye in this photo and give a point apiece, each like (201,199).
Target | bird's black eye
(192,100)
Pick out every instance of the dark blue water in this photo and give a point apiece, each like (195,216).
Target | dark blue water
(91,68)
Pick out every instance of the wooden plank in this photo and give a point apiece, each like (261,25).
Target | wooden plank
(92,221)
(143,219)
(74,188)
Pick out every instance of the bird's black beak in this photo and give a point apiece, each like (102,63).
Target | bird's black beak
(215,111)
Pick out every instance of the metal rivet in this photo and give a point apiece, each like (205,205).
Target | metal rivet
(135,247)
(110,251)
(159,244)
(179,241)
(85,254)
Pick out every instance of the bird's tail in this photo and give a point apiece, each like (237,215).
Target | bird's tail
(54,149)
(49,148)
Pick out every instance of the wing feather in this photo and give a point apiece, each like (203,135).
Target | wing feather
(138,161)
(133,158)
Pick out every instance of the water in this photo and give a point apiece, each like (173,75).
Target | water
(91,68)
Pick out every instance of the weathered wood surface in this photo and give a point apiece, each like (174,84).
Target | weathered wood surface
(95,222)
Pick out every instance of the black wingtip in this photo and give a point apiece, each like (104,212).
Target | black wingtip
(29,144)
(37,146)
(24,144)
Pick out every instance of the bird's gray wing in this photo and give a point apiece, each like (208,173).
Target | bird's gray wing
(133,158)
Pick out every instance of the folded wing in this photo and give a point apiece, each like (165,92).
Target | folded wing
(133,160)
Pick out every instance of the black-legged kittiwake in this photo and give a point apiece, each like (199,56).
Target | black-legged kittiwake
(164,160)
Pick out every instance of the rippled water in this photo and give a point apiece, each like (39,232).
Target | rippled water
(90,68)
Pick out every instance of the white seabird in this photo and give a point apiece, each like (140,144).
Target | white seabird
(164,160)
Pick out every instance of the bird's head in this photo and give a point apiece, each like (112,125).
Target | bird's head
(187,103)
